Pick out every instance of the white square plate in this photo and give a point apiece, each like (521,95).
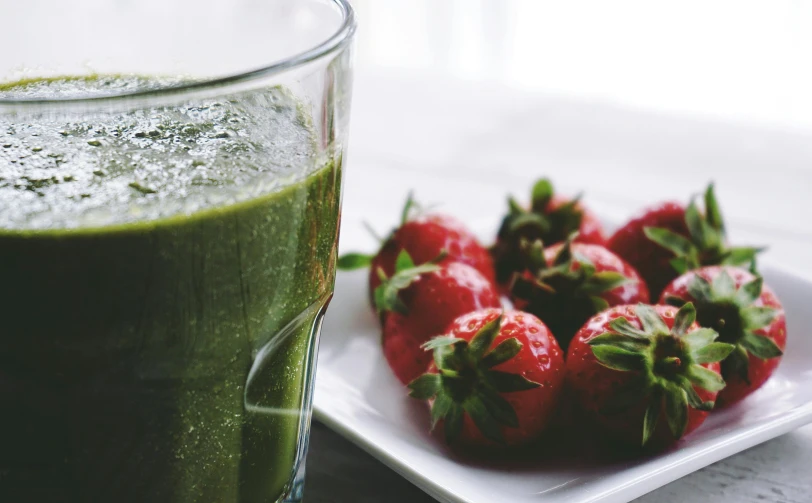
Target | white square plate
(466,147)
(358,396)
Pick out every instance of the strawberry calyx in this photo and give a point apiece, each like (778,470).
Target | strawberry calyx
(465,383)
(540,222)
(706,243)
(565,293)
(354,260)
(387,294)
(667,363)
(730,311)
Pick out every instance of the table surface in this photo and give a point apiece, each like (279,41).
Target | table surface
(425,105)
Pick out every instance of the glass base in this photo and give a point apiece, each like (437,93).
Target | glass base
(296,492)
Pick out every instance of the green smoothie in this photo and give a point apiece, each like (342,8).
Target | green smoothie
(163,274)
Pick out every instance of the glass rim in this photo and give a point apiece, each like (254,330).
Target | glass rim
(334,43)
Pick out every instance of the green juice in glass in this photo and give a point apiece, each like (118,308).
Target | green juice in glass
(163,274)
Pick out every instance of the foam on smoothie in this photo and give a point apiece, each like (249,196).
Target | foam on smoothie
(64,172)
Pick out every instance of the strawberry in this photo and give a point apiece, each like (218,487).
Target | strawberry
(650,259)
(424,237)
(496,379)
(550,219)
(420,302)
(669,239)
(746,313)
(568,283)
(646,375)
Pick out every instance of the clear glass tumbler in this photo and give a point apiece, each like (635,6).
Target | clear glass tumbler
(170,191)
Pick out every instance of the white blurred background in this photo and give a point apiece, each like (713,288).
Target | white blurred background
(731,59)
(629,101)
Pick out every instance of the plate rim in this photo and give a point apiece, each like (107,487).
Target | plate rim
(639,486)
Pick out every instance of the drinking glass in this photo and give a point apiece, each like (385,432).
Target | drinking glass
(170,180)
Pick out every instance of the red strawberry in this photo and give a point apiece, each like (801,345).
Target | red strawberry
(424,237)
(650,259)
(573,281)
(668,239)
(746,313)
(646,375)
(550,219)
(496,379)
(420,302)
